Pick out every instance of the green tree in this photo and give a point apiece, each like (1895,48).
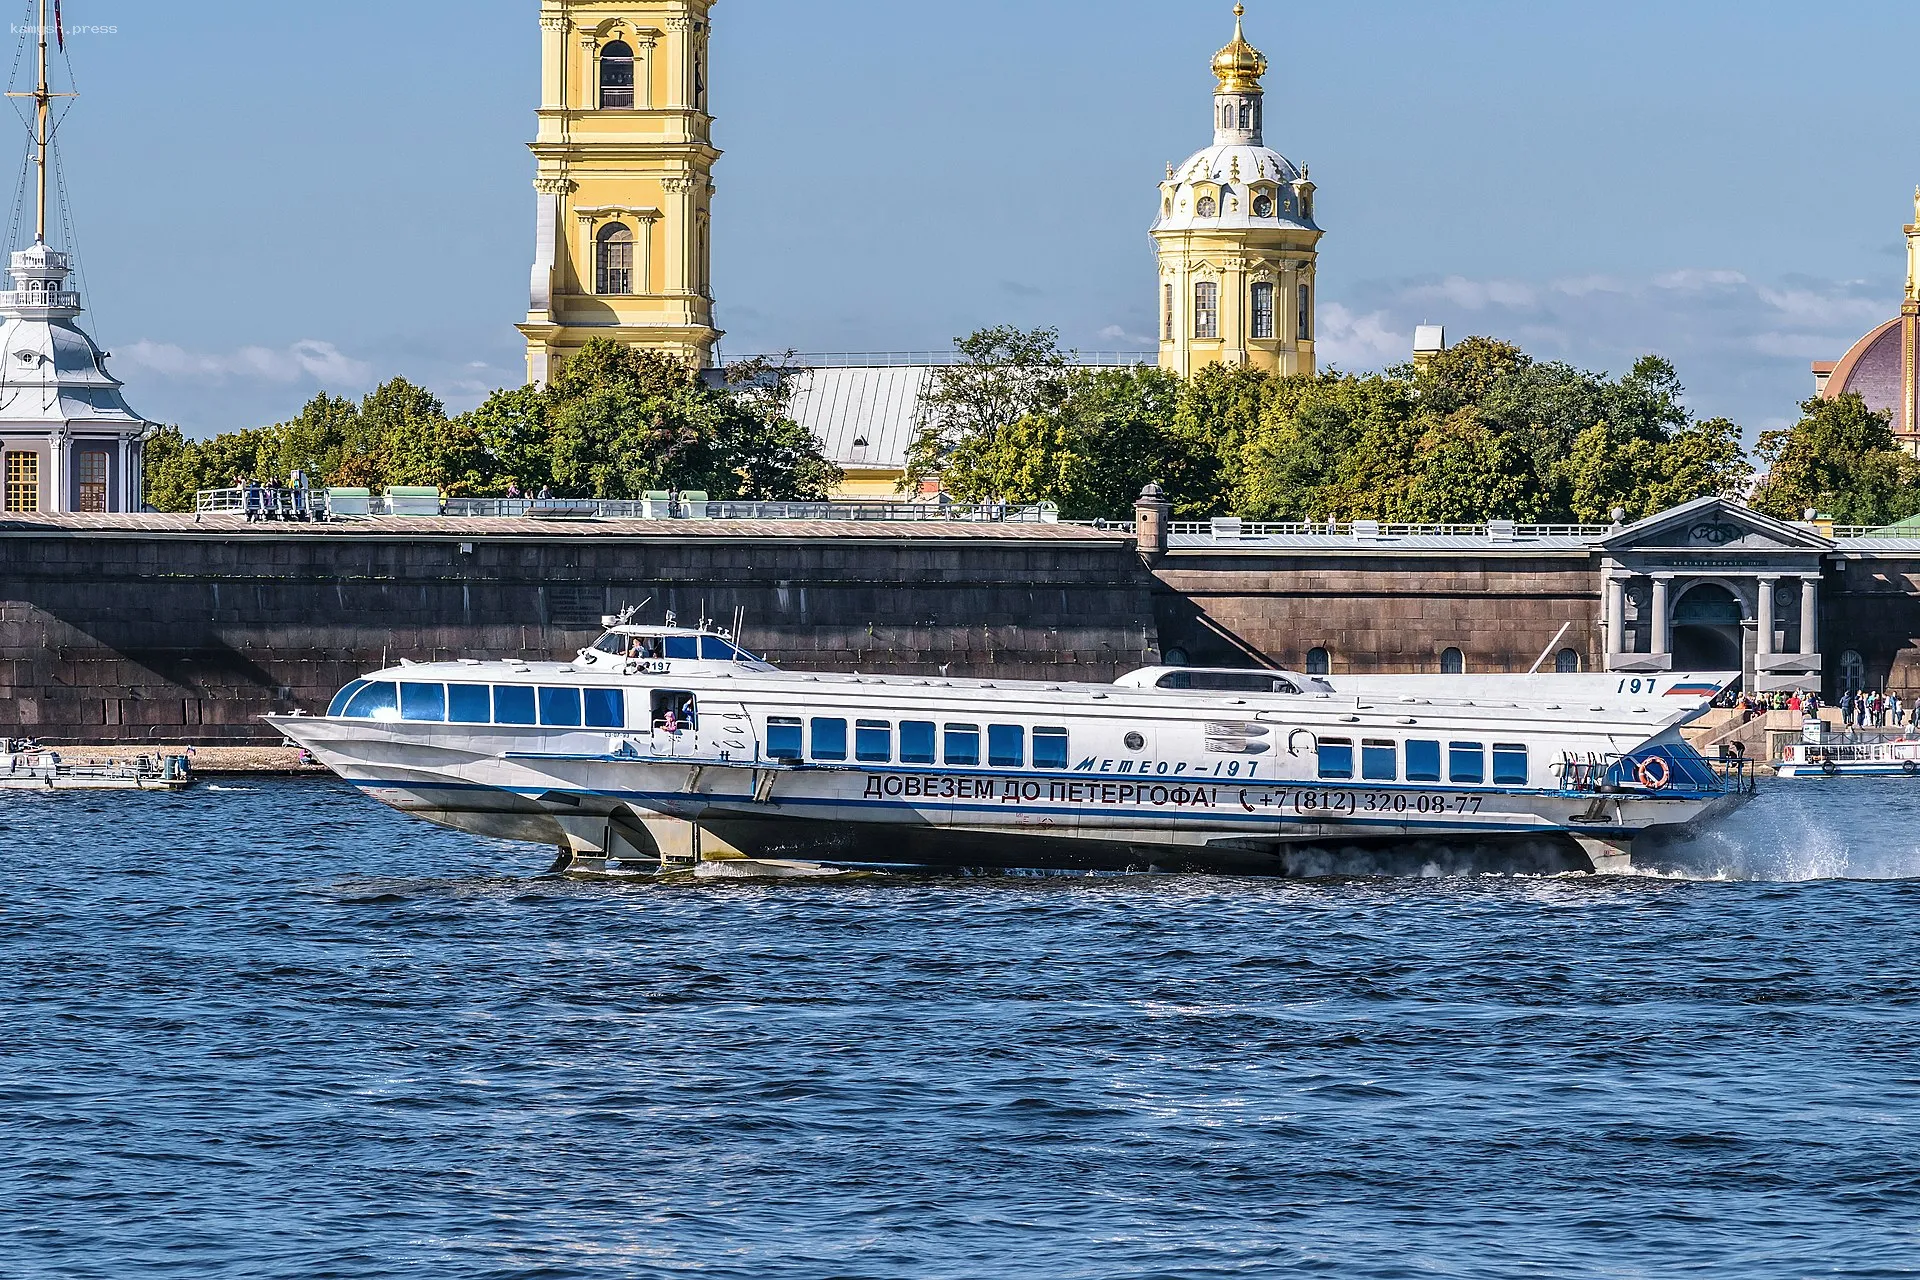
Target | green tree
(1840,459)
(1003,375)
(511,427)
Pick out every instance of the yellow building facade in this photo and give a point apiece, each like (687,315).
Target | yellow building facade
(1236,238)
(624,181)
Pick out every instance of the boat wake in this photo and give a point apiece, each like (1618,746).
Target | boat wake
(1800,831)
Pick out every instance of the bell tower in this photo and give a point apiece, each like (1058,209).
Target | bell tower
(1236,237)
(623,181)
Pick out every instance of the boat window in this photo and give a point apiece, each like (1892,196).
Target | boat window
(673,710)
(641,647)
(783,737)
(873,741)
(1509,764)
(338,707)
(683,646)
(377,700)
(1423,760)
(513,704)
(714,649)
(612,642)
(1227,681)
(423,702)
(963,744)
(1336,757)
(560,707)
(605,708)
(916,742)
(1379,760)
(1466,762)
(1006,746)
(829,738)
(469,703)
(1049,748)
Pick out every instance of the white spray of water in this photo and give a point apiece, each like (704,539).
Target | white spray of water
(1802,829)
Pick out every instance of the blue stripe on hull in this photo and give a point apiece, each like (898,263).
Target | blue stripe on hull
(674,798)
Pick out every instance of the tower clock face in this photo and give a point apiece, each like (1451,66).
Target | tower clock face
(1263,206)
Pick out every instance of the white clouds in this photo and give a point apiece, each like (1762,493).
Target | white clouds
(1475,295)
(306,360)
(1359,341)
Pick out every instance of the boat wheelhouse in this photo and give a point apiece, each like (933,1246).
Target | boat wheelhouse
(660,745)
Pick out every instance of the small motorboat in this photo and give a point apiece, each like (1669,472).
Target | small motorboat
(1823,753)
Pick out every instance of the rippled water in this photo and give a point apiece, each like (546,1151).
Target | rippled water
(279,1031)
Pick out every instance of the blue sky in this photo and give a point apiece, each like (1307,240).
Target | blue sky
(272,198)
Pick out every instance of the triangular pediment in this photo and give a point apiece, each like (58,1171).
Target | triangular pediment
(1714,524)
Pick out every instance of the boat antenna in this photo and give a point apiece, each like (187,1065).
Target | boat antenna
(1550,647)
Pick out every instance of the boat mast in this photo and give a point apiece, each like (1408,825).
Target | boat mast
(43,96)
(41,100)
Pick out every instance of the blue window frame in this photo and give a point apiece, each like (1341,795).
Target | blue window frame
(714,649)
(1379,760)
(513,704)
(873,741)
(783,737)
(426,702)
(469,704)
(377,700)
(1006,746)
(560,708)
(1423,760)
(963,744)
(604,708)
(683,646)
(1049,748)
(338,707)
(1336,757)
(1466,762)
(1509,764)
(829,738)
(916,742)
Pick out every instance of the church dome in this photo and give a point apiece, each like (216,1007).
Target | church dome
(1883,367)
(1236,185)
(1239,66)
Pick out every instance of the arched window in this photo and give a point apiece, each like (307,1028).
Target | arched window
(1566,662)
(616,75)
(1452,662)
(613,268)
(1263,310)
(1204,206)
(1319,662)
(1166,319)
(1853,672)
(1246,115)
(1305,328)
(1206,309)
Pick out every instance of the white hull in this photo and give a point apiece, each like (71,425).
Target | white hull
(722,755)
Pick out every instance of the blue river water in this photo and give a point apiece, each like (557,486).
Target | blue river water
(274,1030)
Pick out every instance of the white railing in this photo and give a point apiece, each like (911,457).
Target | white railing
(908,359)
(259,502)
(1230,529)
(59,298)
(1874,531)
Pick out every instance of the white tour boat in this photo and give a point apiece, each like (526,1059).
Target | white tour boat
(1824,753)
(662,746)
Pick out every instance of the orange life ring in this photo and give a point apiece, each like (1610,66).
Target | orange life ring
(1653,773)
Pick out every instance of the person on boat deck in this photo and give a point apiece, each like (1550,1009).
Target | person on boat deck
(643,647)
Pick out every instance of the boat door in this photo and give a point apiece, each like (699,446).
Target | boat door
(683,724)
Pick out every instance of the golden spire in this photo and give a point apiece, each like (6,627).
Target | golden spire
(1239,66)
(1913,255)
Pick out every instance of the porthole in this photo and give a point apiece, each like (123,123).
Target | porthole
(1134,741)
(1263,206)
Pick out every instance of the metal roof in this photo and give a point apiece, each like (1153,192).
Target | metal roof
(864,417)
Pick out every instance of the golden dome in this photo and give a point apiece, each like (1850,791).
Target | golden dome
(1239,66)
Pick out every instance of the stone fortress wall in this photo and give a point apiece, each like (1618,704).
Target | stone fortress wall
(161,629)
